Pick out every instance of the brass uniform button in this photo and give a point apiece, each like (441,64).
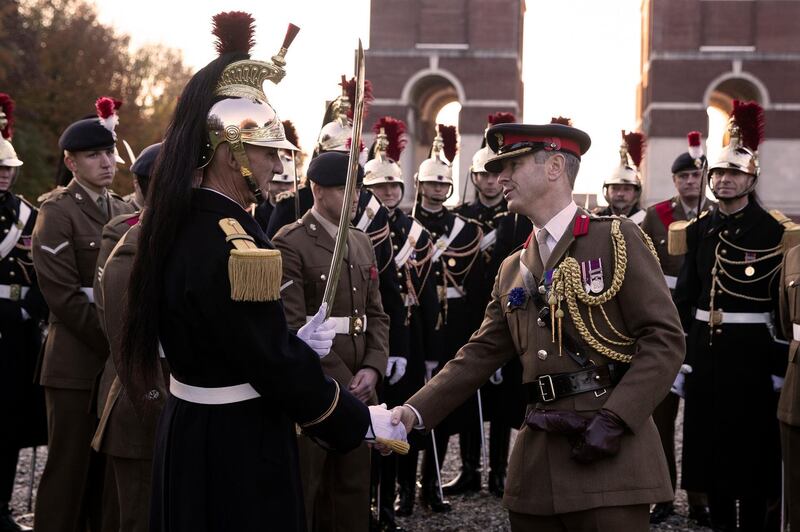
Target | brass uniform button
(451,262)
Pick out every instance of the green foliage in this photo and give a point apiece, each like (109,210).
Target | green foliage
(56,59)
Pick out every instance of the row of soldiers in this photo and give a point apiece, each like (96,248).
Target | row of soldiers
(412,291)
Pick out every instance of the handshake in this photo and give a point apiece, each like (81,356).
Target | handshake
(384,434)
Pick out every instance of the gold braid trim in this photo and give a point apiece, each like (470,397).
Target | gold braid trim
(325,415)
(568,285)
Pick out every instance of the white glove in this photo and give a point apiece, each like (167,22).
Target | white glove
(396,368)
(430,365)
(777,382)
(381,425)
(318,333)
(497,378)
(680,379)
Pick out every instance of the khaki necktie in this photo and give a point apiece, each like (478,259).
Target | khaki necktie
(101,202)
(544,249)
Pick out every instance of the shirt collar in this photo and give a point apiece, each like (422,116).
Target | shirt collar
(329,226)
(92,194)
(559,223)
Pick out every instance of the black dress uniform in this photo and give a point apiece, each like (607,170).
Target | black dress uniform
(263,213)
(458,272)
(726,290)
(249,448)
(284,211)
(503,397)
(22,313)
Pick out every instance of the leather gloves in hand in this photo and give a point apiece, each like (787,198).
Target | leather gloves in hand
(601,438)
(557,421)
(318,333)
(395,369)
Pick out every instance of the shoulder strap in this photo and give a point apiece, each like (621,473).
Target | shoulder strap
(402,256)
(369,213)
(15,232)
(254,273)
(444,241)
(638,217)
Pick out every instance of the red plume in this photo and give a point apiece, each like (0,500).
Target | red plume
(636,145)
(694,138)
(234,32)
(105,106)
(7,105)
(501,118)
(561,120)
(291,133)
(449,140)
(350,87)
(394,129)
(349,143)
(117,104)
(749,116)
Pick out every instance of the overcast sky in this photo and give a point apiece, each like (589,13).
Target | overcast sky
(581,58)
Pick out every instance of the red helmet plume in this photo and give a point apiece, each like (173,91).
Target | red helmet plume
(7,106)
(350,87)
(564,121)
(449,141)
(395,130)
(234,32)
(636,143)
(749,117)
(501,118)
(291,133)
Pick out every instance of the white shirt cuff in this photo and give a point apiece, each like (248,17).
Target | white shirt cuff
(419,424)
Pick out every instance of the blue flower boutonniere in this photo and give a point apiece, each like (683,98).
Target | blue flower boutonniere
(516,298)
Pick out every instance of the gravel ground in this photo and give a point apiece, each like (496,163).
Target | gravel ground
(471,513)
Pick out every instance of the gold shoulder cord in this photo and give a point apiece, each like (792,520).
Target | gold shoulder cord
(255,274)
(568,285)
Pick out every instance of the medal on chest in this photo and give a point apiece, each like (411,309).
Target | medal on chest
(592,275)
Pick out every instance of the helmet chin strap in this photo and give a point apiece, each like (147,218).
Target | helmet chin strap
(244,167)
(745,192)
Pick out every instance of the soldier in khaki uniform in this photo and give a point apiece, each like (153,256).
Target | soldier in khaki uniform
(66,241)
(789,403)
(336,486)
(124,437)
(589,456)
(687,176)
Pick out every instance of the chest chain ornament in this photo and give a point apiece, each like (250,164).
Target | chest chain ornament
(568,286)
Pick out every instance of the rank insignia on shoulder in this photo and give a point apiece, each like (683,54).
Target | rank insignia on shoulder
(581,226)
(676,241)
(287,194)
(255,274)
(791,230)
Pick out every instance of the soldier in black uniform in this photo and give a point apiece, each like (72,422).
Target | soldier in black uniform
(458,272)
(503,395)
(208,289)
(22,315)
(726,292)
(279,186)
(623,188)
(409,297)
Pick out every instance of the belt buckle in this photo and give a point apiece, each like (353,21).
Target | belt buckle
(715,317)
(546,381)
(356,325)
(15,292)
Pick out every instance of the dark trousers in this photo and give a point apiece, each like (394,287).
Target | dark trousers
(790,446)
(633,518)
(335,487)
(8,472)
(71,495)
(134,480)
(664,417)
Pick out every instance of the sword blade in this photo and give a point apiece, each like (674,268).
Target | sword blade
(350,188)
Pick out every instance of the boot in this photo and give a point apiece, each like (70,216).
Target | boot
(469,479)
(7,523)
(700,515)
(387,520)
(406,483)
(661,512)
(499,438)
(429,495)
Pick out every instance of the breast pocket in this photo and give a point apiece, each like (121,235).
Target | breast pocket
(793,295)
(86,250)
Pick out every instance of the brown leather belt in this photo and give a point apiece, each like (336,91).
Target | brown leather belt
(548,388)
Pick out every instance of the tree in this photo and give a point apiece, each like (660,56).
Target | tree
(56,59)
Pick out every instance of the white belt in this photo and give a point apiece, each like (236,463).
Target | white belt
(796,332)
(19,292)
(736,317)
(89,291)
(346,324)
(455,292)
(672,281)
(488,239)
(212,396)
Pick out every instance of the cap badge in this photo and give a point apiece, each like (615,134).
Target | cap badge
(552,144)
(499,137)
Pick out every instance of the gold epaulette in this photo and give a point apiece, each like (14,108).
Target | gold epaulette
(791,230)
(676,239)
(255,273)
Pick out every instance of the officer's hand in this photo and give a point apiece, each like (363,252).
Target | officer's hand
(600,439)
(363,384)
(381,426)
(318,333)
(680,380)
(396,368)
(404,415)
(430,367)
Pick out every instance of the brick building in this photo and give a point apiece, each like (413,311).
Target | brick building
(700,54)
(425,54)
